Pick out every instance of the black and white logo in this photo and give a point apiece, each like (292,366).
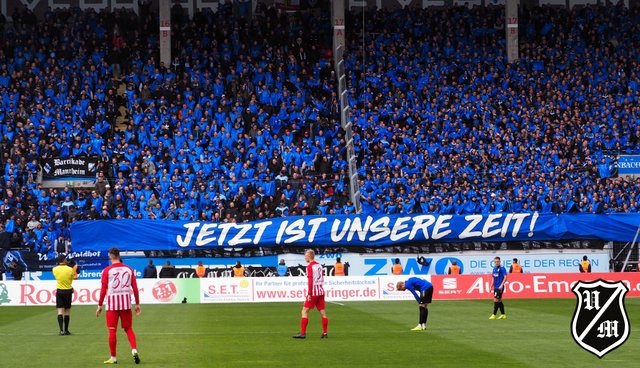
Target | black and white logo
(600,322)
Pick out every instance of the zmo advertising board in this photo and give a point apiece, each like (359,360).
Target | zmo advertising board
(377,264)
(478,263)
(292,289)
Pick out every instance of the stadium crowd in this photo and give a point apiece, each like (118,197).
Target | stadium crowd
(244,123)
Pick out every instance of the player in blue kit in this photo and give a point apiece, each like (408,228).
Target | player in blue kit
(499,278)
(425,289)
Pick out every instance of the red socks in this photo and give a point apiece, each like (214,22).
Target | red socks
(132,337)
(112,341)
(305,321)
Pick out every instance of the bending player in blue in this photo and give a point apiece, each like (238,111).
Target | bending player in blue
(499,278)
(425,289)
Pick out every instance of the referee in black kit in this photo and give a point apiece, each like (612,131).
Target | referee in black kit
(64,293)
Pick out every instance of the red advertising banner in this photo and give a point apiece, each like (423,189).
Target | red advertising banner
(152,291)
(525,285)
(293,289)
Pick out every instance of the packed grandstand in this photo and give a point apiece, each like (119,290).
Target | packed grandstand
(245,122)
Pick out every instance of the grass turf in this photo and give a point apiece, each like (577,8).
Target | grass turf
(361,334)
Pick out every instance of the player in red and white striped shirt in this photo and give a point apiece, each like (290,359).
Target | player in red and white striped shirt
(118,283)
(315,296)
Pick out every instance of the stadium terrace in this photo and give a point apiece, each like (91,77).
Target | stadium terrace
(243,125)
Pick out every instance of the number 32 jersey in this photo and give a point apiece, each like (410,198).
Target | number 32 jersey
(118,283)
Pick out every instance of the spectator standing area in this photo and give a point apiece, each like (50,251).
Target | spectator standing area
(238,137)
(243,125)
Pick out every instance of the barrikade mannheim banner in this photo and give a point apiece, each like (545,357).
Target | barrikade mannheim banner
(72,167)
(356,230)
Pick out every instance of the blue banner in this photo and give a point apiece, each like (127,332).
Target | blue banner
(629,165)
(355,230)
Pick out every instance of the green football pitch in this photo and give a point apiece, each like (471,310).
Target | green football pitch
(361,334)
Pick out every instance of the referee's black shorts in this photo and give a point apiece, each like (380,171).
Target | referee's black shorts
(63,298)
(426,295)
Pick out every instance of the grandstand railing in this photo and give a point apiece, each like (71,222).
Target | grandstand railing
(630,252)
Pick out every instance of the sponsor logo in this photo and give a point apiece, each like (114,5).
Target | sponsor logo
(44,293)
(4,294)
(164,291)
(449,283)
(86,254)
(449,286)
(227,291)
(600,322)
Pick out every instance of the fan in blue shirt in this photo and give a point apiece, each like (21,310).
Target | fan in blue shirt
(282,268)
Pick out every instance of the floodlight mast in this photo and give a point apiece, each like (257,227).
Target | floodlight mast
(165,32)
(511,29)
(337,17)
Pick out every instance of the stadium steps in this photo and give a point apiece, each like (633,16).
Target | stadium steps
(122,119)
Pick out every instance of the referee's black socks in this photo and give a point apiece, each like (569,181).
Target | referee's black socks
(66,323)
(60,319)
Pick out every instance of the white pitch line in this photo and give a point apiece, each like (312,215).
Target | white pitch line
(145,333)
(336,303)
